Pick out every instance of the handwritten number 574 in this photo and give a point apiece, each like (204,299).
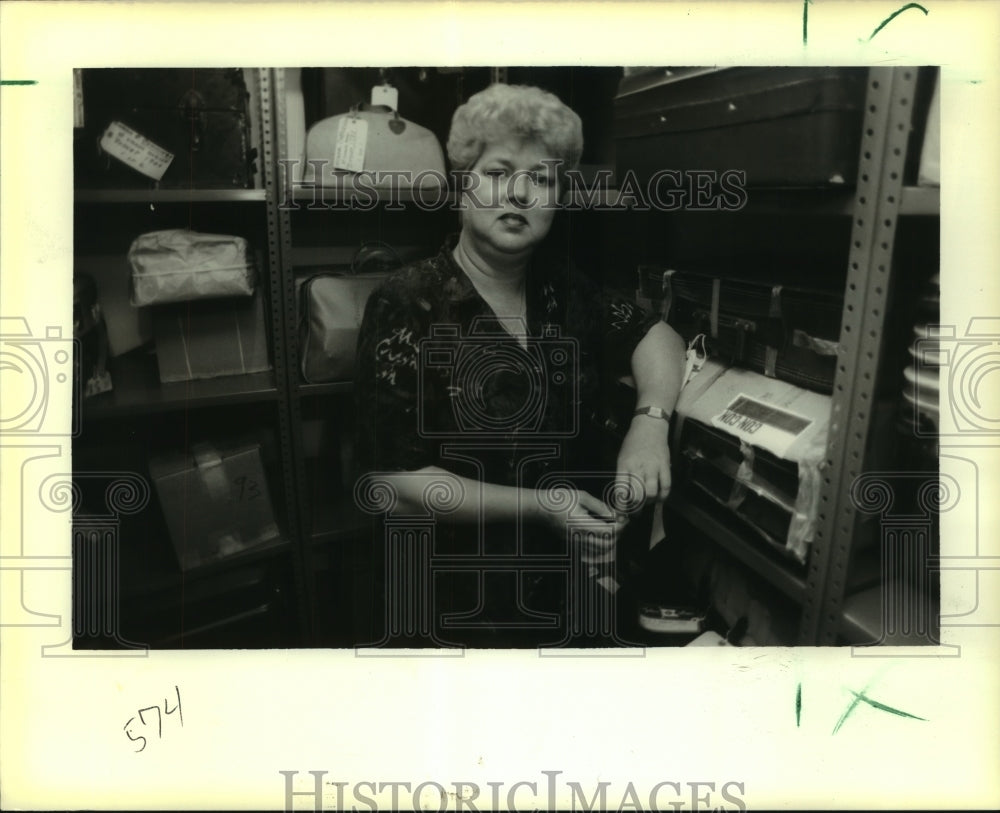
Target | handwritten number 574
(147,712)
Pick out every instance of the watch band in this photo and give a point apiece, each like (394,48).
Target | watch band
(653,412)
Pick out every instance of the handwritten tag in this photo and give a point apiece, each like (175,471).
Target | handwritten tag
(761,424)
(352,138)
(136,150)
(387,95)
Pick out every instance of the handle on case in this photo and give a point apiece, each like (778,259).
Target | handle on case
(192,107)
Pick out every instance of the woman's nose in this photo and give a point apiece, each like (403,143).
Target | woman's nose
(519,188)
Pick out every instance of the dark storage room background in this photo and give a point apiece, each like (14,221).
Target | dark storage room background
(250,536)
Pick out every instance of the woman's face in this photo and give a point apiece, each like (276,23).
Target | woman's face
(512,198)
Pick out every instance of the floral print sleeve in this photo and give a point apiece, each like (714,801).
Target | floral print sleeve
(614,325)
(387,383)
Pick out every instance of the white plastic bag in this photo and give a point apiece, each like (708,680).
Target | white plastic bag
(177,265)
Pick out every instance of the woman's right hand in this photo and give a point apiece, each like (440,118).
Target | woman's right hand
(593,522)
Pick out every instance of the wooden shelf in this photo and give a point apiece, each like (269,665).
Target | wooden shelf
(138,391)
(776,573)
(170,196)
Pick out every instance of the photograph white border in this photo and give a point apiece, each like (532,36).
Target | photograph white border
(685,716)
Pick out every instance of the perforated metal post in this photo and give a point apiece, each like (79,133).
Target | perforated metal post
(887,119)
(282,289)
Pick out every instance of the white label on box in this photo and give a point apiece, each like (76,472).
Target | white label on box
(761,424)
(352,138)
(385,94)
(136,150)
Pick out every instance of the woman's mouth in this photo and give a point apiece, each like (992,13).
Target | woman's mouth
(513,219)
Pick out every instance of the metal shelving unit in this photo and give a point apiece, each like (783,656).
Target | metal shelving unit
(880,200)
(835,592)
(280,238)
(138,391)
(875,205)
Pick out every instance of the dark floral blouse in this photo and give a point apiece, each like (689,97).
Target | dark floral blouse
(437,372)
(439,382)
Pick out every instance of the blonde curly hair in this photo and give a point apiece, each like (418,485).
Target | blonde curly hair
(522,111)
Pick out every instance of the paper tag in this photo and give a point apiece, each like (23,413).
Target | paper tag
(78,97)
(352,138)
(387,95)
(761,424)
(136,150)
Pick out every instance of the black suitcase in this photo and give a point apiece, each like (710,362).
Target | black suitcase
(782,126)
(200,115)
(779,330)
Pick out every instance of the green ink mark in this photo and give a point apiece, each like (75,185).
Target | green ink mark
(798,705)
(862,696)
(805,21)
(884,707)
(847,712)
(892,17)
(18,81)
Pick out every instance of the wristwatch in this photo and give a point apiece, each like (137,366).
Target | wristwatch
(653,412)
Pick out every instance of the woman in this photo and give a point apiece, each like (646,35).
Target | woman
(493,403)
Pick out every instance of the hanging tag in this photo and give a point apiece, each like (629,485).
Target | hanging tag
(78,97)
(352,138)
(385,95)
(694,358)
(136,150)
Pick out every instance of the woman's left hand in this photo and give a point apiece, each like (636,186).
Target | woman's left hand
(645,458)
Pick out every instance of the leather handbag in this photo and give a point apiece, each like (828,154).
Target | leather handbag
(331,308)
(392,144)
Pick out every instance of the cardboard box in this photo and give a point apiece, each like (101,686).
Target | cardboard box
(211,338)
(216,502)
